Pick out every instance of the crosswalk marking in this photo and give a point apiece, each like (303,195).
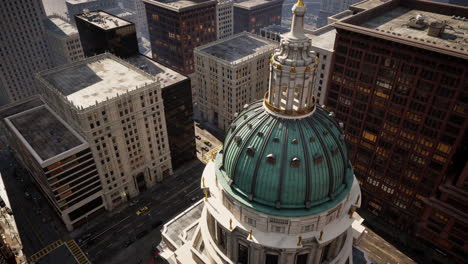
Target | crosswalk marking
(45,250)
(77,253)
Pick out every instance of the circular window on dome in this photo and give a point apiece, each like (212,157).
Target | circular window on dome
(295,162)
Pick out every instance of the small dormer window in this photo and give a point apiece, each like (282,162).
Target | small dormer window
(276,139)
(294,141)
(237,139)
(295,162)
(249,125)
(250,150)
(271,158)
(318,159)
(312,139)
(334,150)
(260,133)
(325,133)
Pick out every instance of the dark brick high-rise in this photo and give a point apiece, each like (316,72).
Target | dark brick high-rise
(252,15)
(399,83)
(177,27)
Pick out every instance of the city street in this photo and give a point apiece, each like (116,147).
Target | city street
(120,236)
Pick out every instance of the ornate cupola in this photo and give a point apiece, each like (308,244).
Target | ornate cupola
(292,71)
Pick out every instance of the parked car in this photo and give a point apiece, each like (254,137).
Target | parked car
(198,137)
(208,143)
(142,210)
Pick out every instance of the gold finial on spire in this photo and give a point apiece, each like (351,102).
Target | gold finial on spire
(300,3)
(250,234)
(321,235)
(203,182)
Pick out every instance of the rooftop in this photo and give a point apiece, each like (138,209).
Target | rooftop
(410,21)
(95,79)
(238,47)
(396,21)
(183,222)
(163,74)
(104,20)
(276,29)
(181,5)
(252,4)
(45,132)
(324,37)
(60,26)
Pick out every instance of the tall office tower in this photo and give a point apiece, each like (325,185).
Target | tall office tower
(23,48)
(229,74)
(118,109)
(282,189)
(331,7)
(252,15)
(224,19)
(57,157)
(177,27)
(178,108)
(140,21)
(399,84)
(64,41)
(100,32)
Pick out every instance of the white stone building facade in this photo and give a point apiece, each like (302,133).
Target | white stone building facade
(121,116)
(224,19)
(281,189)
(230,73)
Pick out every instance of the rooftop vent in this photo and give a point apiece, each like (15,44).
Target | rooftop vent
(436,28)
(417,22)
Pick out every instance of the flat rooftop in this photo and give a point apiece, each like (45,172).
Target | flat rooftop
(60,26)
(252,4)
(324,37)
(276,29)
(396,21)
(183,221)
(237,48)
(96,79)
(120,12)
(104,20)
(181,5)
(45,132)
(163,74)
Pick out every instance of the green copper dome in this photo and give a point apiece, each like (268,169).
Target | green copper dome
(285,166)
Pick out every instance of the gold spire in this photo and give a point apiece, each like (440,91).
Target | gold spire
(300,3)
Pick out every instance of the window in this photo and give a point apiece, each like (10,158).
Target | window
(302,259)
(243,254)
(271,259)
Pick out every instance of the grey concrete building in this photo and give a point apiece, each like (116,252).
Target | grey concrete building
(59,160)
(64,41)
(229,74)
(224,19)
(118,109)
(23,48)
